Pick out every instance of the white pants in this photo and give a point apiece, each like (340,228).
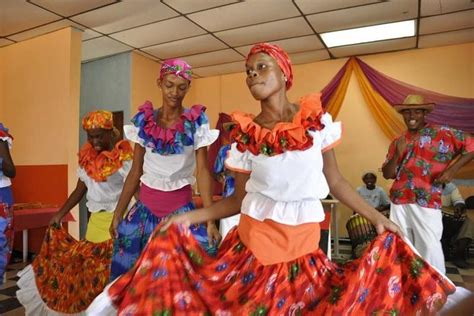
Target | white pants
(226,224)
(423,227)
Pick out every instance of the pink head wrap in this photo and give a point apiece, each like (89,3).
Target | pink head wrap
(281,57)
(177,67)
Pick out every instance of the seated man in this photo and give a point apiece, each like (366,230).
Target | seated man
(373,194)
(453,203)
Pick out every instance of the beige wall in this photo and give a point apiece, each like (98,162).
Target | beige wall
(143,82)
(39,100)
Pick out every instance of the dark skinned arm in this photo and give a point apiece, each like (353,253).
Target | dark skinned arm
(8,167)
(129,189)
(73,199)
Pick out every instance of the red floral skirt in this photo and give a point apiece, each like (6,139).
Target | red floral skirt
(174,276)
(69,274)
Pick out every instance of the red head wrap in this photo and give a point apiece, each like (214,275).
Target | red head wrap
(279,55)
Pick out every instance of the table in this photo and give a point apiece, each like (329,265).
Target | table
(29,218)
(334,225)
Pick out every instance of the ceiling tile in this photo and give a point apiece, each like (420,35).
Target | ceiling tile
(213,58)
(5,42)
(374,47)
(68,7)
(159,32)
(51,27)
(266,32)
(17,16)
(448,38)
(187,6)
(125,15)
(145,54)
(379,13)
(309,57)
(101,47)
(292,45)
(244,13)
(432,7)
(314,6)
(447,22)
(222,69)
(189,46)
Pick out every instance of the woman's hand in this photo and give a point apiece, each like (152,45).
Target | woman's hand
(213,234)
(382,224)
(56,220)
(446,176)
(181,219)
(113,226)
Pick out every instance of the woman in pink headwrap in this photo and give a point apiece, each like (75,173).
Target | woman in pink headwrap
(170,143)
(284,163)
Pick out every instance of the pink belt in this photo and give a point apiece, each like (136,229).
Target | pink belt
(162,203)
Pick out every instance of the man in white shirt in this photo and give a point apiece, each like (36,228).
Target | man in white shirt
(373,194)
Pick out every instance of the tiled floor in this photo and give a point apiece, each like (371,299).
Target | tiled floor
(9,306)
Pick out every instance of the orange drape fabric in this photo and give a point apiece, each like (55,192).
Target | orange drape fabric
(387,118)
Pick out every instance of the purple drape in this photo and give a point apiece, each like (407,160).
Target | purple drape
(329,90)
(454,111)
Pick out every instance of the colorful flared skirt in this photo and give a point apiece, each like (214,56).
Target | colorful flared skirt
(174,276)
(66,275)
(135,230)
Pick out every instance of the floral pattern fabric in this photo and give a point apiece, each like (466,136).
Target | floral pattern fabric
(69,274)
(171,140)
(6,237)
(176,277)
(428,154)
(220,171)
(134,232)
(99,166)
(98,119)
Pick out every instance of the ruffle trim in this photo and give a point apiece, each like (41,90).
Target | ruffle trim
(260,207)
(284,136)
(99,166)
(29,296)
(5,136)
(102,305)
(171,140)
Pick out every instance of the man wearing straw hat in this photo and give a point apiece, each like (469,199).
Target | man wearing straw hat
(420,161)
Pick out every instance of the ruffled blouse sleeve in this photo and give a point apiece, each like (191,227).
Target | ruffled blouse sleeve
(5,136)
(204,135)
(331,134)
(82,174)
(238,161)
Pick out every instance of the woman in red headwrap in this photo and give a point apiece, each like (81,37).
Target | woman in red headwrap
(284,163)
(67,274)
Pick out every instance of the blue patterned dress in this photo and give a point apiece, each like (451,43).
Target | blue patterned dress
(169,164)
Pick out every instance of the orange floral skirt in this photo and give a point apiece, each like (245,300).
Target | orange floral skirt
(174,276)
(69,274)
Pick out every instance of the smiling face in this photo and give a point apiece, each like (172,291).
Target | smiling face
(370,180)
(264,76)
(174,89)
(414,118)
(101,139)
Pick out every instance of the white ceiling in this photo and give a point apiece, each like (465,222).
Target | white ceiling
(215,35)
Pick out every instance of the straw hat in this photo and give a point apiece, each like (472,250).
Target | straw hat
(414,101)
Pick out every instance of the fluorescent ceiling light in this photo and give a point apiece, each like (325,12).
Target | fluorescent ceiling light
(369,33)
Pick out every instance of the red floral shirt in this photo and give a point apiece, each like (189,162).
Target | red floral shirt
(428,154)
